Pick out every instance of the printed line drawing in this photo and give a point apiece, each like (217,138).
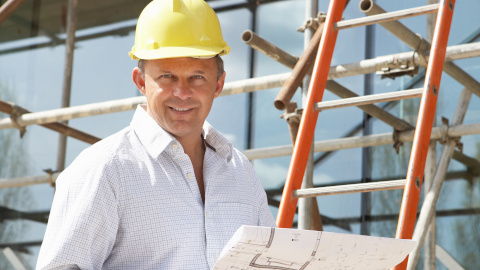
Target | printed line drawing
(290,249)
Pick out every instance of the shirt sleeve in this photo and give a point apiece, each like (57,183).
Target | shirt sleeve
(265,217)
(84,218)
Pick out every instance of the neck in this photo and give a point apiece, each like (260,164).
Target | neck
(193,147)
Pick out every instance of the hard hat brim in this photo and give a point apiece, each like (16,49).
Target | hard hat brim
(175,52)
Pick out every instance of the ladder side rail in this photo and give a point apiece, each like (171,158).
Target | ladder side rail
(428,207)
(408,210)
(305,135)
(387,17)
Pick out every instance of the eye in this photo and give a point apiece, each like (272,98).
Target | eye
(166,76)
(197,77)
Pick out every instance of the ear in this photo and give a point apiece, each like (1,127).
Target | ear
(220,83)
(138,80)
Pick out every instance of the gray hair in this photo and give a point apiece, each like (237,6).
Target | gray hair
(219,60)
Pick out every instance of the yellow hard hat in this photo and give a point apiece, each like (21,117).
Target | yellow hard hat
(178,28)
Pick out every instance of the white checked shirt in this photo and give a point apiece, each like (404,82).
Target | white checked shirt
(131,201)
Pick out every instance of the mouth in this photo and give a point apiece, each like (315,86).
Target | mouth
(180,109)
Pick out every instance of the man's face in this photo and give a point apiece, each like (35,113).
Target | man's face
(180,93)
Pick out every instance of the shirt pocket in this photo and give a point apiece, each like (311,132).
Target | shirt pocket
(234,214)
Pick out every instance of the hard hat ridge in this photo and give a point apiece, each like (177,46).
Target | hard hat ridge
(178,28)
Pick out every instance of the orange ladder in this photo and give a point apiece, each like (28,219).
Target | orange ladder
(426,112)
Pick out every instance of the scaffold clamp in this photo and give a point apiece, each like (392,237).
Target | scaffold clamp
(50,173)
(397,143)
(293,116)
(313,23)
(444,135)
(421,50)
(18,111)
(398,67)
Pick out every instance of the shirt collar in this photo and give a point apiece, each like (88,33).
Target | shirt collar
(216,140)
(156,139)
(151,135)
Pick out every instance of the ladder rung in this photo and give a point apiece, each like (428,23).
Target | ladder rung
(386,17)
(365,100)
(353,188)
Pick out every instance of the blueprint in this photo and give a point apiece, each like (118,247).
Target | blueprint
(290,249)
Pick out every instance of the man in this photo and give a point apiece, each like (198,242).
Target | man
(168,191)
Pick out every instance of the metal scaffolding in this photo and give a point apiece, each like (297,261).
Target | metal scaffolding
(402,131)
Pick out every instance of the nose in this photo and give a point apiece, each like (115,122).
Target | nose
(182,90)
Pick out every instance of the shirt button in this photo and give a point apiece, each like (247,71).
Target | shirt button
(175,146)
(189,175)
(207,214)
